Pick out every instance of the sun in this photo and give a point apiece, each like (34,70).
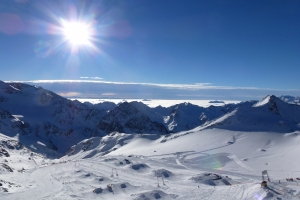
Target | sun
(77,33)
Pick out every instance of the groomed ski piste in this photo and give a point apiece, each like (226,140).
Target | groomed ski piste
(197,164)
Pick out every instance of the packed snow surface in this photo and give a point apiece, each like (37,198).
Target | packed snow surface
(199,164)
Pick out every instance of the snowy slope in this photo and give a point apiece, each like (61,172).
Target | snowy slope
(207,164)
(270,114)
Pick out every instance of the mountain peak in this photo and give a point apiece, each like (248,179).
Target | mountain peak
(270,99)
(272,103)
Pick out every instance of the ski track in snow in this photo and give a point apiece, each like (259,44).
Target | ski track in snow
(75,178)
(240,163)
(44,176)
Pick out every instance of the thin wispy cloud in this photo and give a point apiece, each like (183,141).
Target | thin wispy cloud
(171,86)
(87,77)
(69,94)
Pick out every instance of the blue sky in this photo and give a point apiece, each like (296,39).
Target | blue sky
(226,46)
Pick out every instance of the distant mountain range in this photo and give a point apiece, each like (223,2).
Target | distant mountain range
(290,99)
(33,112)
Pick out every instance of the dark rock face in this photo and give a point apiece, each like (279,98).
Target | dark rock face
(127,118)
(8,168)
(4,114)
(111,127)
(273,105)
(3,152)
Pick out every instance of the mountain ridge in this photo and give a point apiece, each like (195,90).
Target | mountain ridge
(59,123)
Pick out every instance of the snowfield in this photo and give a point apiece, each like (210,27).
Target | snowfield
(205,164)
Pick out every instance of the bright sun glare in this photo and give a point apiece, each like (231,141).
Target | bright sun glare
(77,33)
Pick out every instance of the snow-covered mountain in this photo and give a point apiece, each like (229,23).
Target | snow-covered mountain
(37,112)
(58,123)
(269,114)
(290,99)
(187,116)
(136,117)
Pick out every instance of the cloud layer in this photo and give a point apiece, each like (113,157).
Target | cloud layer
(126,90)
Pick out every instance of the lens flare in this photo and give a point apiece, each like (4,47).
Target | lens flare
(42,49)
(11,24)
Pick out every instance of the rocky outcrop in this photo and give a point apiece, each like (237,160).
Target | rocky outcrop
(127,118)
